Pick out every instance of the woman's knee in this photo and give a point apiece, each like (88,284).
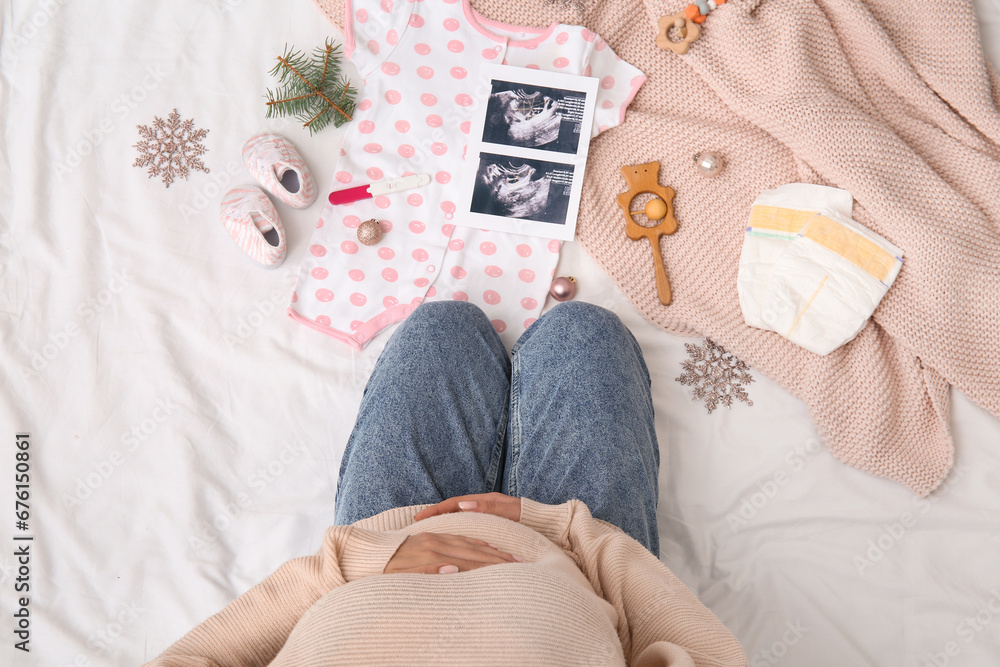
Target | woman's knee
(448,315)
(579,319)
(583,330)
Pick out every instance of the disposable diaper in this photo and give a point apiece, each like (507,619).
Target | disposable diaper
(775,219)
(812,274)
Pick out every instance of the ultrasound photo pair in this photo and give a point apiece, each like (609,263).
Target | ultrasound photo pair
(528,116)
(531,142)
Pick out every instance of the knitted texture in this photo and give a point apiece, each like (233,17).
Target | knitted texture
(869,96)
(585,594)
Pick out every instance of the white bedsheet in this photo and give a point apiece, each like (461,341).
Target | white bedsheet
(185,435)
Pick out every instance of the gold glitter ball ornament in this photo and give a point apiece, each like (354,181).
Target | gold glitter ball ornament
(369,232)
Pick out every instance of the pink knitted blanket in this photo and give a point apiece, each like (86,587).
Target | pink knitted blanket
(893,103)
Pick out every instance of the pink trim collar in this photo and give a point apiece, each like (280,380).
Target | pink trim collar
(348,29)
(366,331)
(477,20)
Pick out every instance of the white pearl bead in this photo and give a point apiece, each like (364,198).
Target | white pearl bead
(709,163)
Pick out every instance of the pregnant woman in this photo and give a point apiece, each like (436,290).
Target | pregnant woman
(492,509)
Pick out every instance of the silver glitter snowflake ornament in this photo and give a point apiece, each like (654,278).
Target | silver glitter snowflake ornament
(170,148)
(716,375)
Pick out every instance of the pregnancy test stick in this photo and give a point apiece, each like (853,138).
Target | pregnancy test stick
(381,188)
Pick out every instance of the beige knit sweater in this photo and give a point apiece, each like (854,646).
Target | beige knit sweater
(586,594)
(892,101)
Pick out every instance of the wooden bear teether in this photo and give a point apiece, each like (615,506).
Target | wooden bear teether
(645,179)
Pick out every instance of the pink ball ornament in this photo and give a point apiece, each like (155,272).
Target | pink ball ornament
(563,289)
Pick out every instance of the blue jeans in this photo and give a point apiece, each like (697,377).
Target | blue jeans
(447,413)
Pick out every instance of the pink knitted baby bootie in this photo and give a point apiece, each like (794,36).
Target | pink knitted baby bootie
(251,220)
(277,166)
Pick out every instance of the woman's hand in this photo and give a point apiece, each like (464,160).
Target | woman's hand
(496,503)
(441,553)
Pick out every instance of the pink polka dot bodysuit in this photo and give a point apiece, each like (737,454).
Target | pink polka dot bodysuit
(420,61)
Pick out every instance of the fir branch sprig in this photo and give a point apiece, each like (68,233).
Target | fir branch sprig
(312,89)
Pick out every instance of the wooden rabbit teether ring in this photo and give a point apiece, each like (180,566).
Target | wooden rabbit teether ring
(690,33)
(645,179)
